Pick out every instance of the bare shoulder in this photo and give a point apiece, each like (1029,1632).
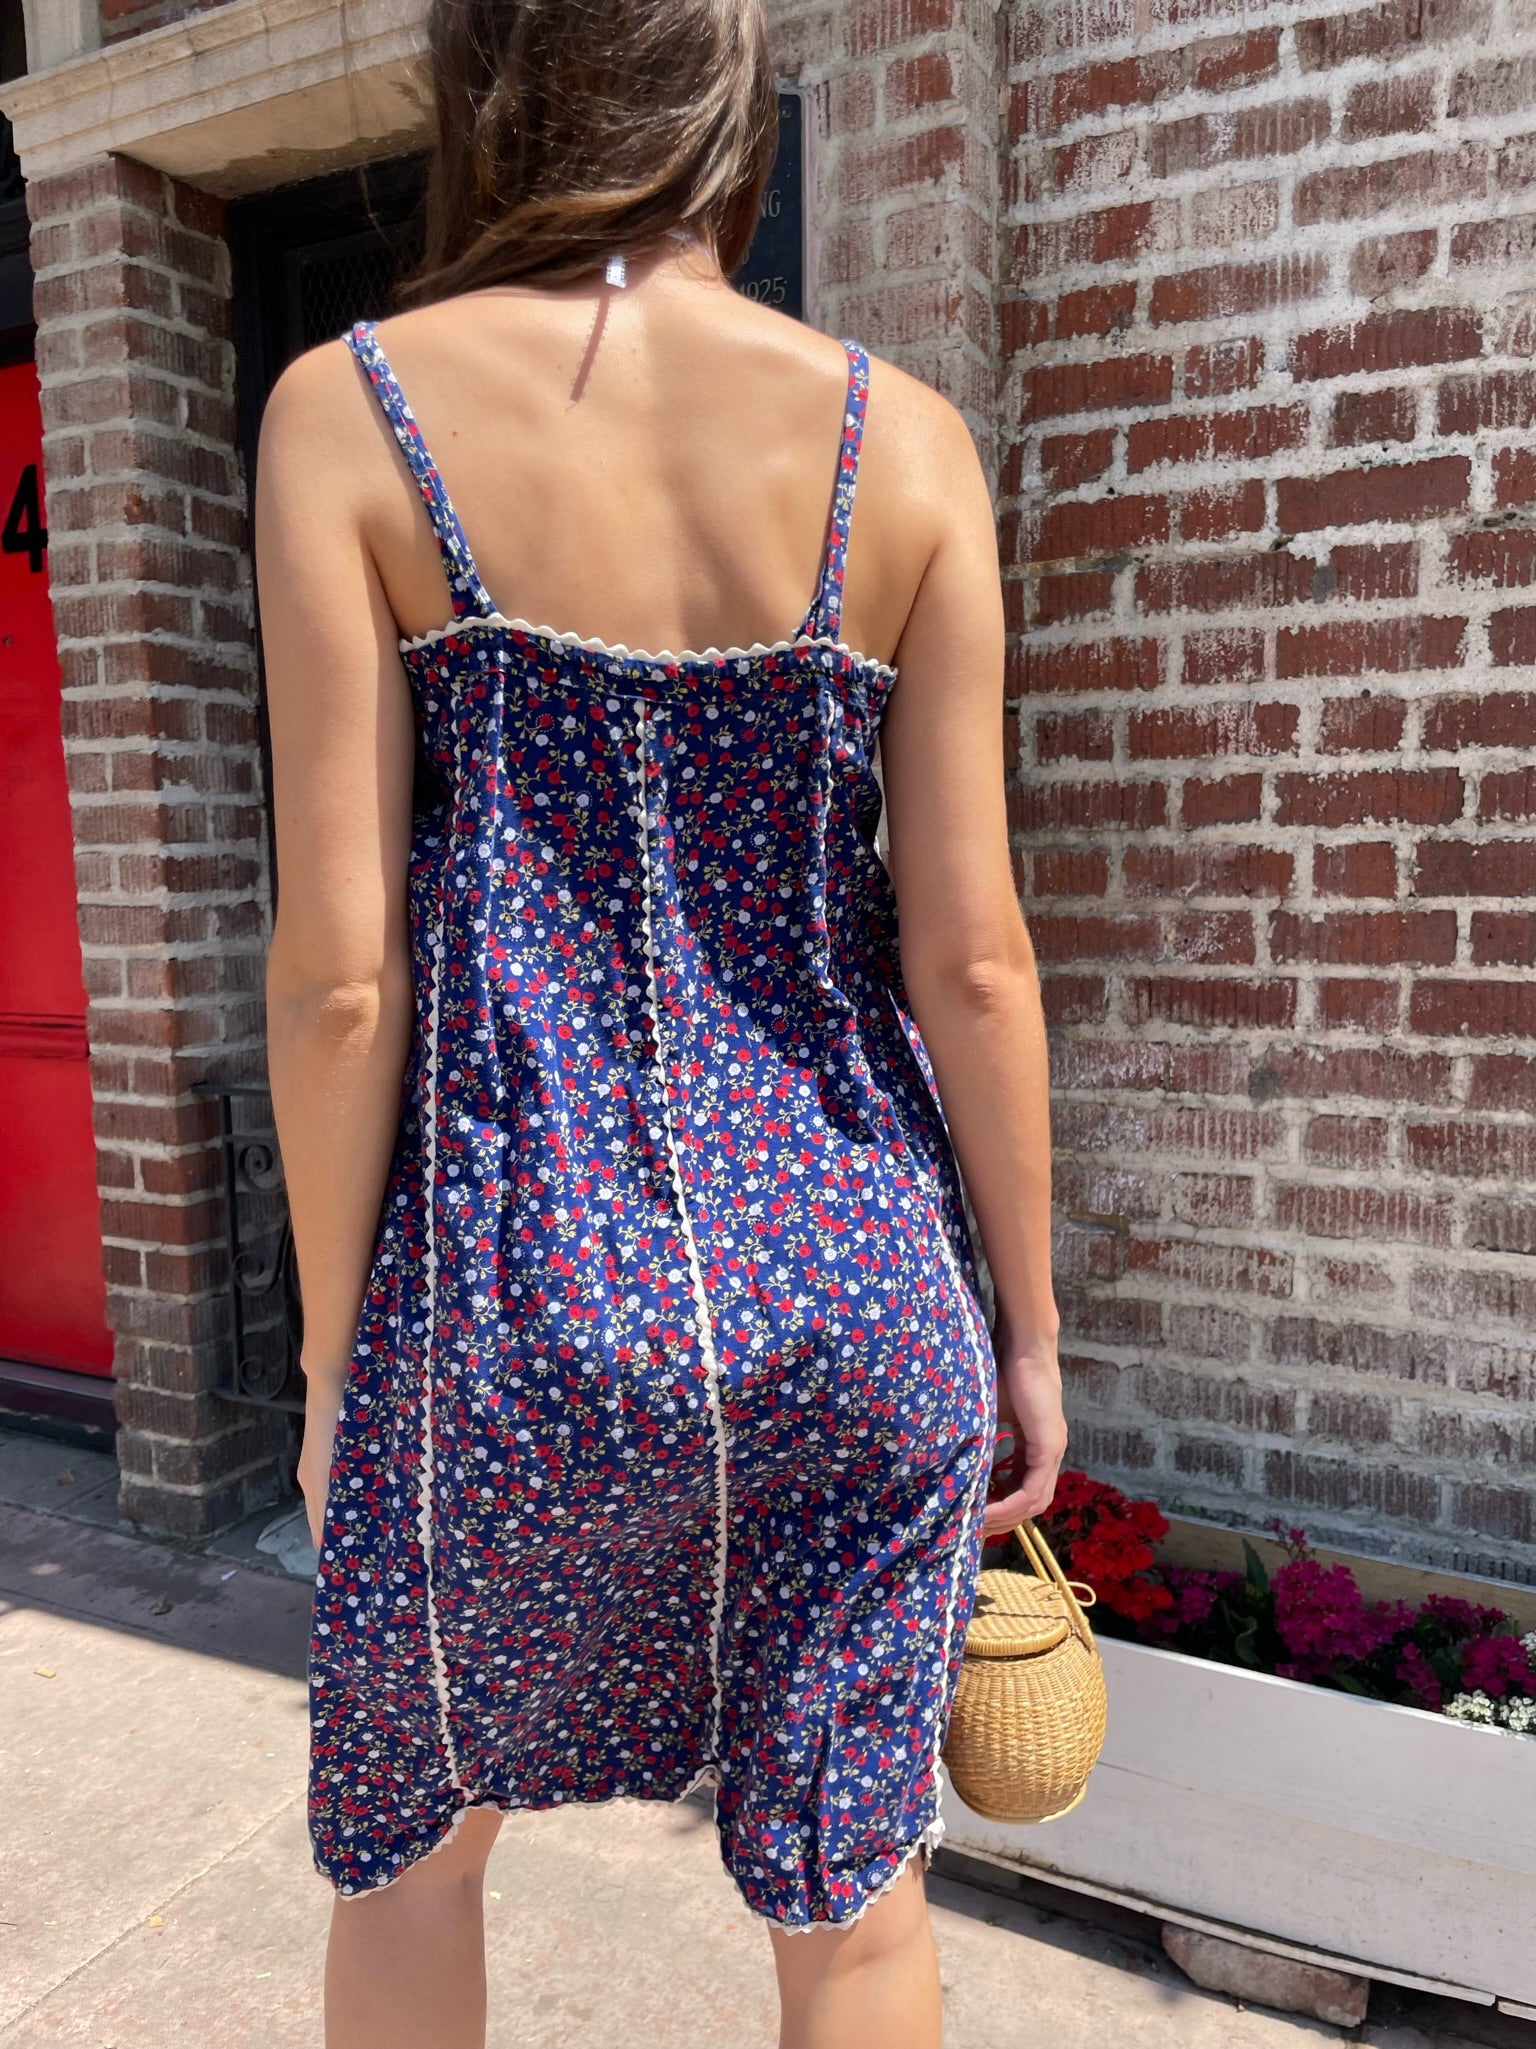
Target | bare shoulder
(918,436)
(917,446)
(324,470)
(312,418)
(910,428)
(308,388)
(924,499)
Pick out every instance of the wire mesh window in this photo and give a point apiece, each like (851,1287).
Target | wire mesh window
(309,259)
(336,283)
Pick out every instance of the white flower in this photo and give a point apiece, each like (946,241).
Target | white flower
(1471,1707)
(1516,1714)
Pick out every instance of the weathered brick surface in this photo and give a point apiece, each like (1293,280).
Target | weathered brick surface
(903,111)
(1268,523)
(152,604)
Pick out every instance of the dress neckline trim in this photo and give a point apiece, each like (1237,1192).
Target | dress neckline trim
(619,652)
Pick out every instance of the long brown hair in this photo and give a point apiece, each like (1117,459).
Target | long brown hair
(567,130)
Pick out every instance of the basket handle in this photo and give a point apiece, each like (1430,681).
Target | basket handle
(1043,1559)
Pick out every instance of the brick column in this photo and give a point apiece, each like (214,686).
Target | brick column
(153,605)
(904,124)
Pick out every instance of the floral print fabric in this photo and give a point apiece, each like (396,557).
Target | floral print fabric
(665,1437)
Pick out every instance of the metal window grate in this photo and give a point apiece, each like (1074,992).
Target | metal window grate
(335,283)
(264,1317)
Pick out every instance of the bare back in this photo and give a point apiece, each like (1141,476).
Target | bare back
(652,467)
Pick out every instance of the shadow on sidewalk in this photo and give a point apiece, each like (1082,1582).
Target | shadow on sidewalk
(194,1602)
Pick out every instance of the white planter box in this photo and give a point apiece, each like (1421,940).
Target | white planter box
(1389,1840)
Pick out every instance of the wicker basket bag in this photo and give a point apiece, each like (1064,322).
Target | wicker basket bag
(1028,1719)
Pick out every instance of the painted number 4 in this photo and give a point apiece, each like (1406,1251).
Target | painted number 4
(24,532)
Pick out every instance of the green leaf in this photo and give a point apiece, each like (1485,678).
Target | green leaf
(1243,1644)
(1446,1666)
(1258,1578)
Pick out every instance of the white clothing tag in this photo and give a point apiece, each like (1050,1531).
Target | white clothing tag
(617,272)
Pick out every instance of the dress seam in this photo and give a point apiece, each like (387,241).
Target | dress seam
(703,1318)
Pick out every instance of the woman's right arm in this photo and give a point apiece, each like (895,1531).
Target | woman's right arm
(966,956)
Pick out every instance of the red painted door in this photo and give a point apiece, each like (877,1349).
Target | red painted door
(52,1294)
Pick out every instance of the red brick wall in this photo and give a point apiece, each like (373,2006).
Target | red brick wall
(152,605)
(1268,317)
(904,182)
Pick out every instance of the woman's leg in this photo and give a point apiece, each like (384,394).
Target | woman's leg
(406,1965)
(877,1981)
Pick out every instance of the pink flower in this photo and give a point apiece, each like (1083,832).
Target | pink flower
(1418,1675)
(1322,1619)
(1195,1594)
(1497,1665)
(1460,1618)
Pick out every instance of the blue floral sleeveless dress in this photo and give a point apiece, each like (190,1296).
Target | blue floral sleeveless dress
(667,1430)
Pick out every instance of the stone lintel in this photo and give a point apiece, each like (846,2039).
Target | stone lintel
(250,95)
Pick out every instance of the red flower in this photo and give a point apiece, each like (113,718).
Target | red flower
(1103,1537)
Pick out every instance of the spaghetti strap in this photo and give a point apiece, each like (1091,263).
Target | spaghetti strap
(465,588)
(825,617)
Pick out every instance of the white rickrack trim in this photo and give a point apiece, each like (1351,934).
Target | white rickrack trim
(428,1462)
(927,1842)
(703,1319)
(418,1855)
(619,652)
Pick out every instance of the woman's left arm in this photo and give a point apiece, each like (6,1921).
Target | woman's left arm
(340,1006)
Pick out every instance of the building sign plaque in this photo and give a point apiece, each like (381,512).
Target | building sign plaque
(774,270)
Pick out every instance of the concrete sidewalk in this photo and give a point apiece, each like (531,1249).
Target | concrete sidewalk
(158,1891)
